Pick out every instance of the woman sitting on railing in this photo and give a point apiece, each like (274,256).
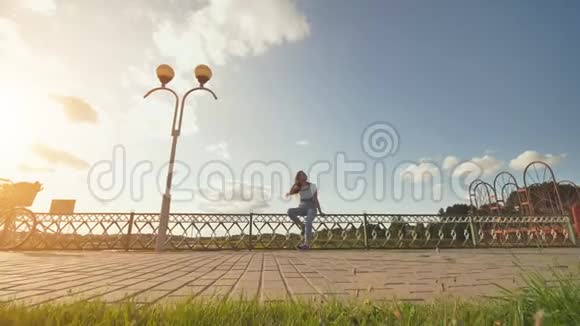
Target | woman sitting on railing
(308,206)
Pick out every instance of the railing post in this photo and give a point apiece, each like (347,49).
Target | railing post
(366,238)
(250,247)
(129,231)
(473,234)
(571,230)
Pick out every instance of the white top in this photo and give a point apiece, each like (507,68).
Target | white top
(307,191)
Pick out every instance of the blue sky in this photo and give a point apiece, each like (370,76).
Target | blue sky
(298,82)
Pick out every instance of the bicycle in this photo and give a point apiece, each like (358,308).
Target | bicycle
(17,223)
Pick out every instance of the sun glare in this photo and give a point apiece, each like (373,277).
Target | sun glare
(27,120)
(15,132)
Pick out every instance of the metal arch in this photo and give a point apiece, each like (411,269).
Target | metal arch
(572,184)
(487,192)
(501,181)
(474,183)
(568,203)
(471,190)
(509,191)
(539,196)
(510,179)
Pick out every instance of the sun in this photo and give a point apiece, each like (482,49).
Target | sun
(27,118)
(15,133)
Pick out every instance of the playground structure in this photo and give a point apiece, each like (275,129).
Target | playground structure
(541,194)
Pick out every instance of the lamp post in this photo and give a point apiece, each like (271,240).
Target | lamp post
(165,74)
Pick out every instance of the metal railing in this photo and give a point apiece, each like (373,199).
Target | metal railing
(137,231)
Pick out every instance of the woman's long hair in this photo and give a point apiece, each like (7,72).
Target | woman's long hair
(298,175)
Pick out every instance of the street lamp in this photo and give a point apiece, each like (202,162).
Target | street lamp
(165,74)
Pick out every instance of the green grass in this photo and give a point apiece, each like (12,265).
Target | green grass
(557,301)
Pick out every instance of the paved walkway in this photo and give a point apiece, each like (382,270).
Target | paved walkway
(413,275)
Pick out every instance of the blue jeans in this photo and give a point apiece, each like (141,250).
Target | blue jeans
(303,210)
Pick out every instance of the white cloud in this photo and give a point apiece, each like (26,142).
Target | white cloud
(450,162)
(56,156)
(467,169)
(519,163)
(226,28)
(424,177)
(76,109)
(220,149)
(234,197)
(417,172)
(486,165)
(303,142)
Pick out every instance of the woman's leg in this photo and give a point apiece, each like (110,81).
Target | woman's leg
(310,215)
(293,213)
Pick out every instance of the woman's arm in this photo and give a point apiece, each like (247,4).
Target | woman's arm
(294,190)
(317,203)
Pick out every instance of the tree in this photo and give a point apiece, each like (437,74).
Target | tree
(544,199)
(456,209)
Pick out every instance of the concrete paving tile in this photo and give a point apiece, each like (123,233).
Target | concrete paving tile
(174,299)
(149,296)
(190,291)
(20,294)
(226,281)
(142,285)
(115,296)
